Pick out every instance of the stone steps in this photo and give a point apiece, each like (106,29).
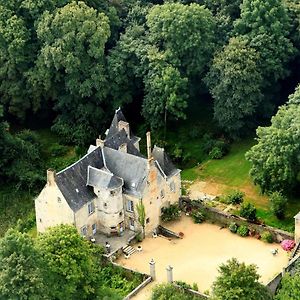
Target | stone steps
(128,250)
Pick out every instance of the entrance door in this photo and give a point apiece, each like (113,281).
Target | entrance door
(131,223)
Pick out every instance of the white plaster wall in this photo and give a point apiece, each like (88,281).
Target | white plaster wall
(297,230)
(49,211)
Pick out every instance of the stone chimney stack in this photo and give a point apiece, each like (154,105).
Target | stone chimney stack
(51,174)
(100,142)
(125,126)
(123,148)
(149,151)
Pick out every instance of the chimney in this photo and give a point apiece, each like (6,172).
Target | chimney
(124,125)
(100,142)
(149,154)
(51,174)
(123,148)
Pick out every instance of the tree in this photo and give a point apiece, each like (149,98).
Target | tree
(72,267)
(185,33)
(21,274)
(239,281)
(278,204)
(141,215)
(248,211)
(235,85)
(170,292)
(71,68)
(275,158)
(290,288)
(265,24)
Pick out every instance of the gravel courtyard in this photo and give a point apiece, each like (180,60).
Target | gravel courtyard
(196,257)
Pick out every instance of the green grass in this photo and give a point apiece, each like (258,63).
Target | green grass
(16,204)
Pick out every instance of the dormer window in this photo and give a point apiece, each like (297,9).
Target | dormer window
(91,208)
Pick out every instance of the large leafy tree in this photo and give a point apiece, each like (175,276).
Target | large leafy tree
(71,68)
(290,288)
(265,24)
(239,281)
(72,268)
(21,274)
(235,85)
(276,157)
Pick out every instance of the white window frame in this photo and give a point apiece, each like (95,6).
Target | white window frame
(91,208)
(172,187)
(94,228)
(83,230)
(130,206)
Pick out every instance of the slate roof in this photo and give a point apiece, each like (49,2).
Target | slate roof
(102,178)
(164,161)
(132,169)
(72,180)
(113,129)
(120,138)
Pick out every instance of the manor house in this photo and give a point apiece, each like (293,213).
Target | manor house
(100,192)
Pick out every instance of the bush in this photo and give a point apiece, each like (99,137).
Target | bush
(267,237)
(170,213)
(234,197)
(198,216)
(243,230)
(57,150)
(169,291)
(248,211)
(278,204)
(215,153)
(233,227)
(216,149)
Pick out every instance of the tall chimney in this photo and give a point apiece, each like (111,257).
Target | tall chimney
(99,142)
(149,154)
(51,174)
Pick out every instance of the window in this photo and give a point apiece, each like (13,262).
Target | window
(40,220)
(105,205)
(94,228)
(91,208)
(84,230)
(112,193)
(162,194)
(120,214)
(130,206)
(172,187)
(147,220)
(58,199)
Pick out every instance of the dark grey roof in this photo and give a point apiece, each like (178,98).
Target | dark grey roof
(114,129)
(103,179)
(132,169)
(120,138)
(72,180)
(164,161)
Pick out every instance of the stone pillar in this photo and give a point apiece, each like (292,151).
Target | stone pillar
(152,269)
(149,154)
(51,174)
(169,274)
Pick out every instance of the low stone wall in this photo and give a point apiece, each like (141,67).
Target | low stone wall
(147,280)
(167,232)
(224,219)
(192,292)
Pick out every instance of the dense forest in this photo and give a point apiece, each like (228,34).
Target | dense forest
(67,65)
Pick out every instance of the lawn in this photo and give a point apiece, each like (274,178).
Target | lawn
(19,205)
(232,172)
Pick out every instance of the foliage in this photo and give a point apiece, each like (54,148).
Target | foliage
(70,68)
(289,287)
(248,211)
(198,216)
(215,153)
(170,213)
(185,285)
(239,281)
(243,230)
(140,207)
(278,204)
(70,263)
(21,274)
(233,227)
(267,237)
(170,292)
(275,158)
(235,84)
(234,197)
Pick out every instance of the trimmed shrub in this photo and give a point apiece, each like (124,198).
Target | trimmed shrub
(243,230)
(267,237)
(185,285)
(278,204)
(198,216)
(248,211)
(170,213)
(234,197)
(215,153)
(233,227)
